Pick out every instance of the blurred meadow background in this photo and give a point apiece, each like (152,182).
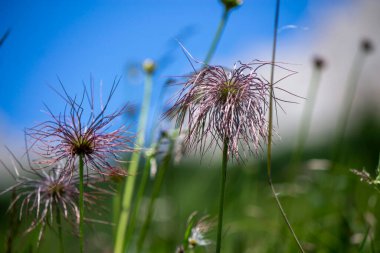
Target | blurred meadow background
(330,207)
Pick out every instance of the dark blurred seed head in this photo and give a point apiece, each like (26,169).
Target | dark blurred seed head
(230,4)
(367,45)
(149,66)
(319,62)
(40,193)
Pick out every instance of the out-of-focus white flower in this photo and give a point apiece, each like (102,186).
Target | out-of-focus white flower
(197,237)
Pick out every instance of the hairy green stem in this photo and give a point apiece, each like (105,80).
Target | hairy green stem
(155,192)
(126,204)
(221,197)
(306,116)
(60,236)
(270,127)
(217,36)
(81,204)
(348,99)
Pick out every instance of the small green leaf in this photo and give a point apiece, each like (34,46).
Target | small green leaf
(190,225)
(377,180)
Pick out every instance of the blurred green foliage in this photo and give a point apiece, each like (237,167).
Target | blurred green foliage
(331,209)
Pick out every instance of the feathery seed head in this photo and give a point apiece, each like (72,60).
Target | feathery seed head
(71,134)
(199,230)
(224,105)
(42,192)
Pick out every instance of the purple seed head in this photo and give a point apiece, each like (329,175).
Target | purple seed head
(77,132)
(222,104)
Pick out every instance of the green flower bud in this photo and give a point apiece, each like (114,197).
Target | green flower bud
(149,66)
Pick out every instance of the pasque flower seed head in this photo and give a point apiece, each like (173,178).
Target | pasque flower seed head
(223,104)
(71,134)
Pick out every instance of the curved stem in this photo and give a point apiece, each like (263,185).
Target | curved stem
(156,190)
(60,236)
(81,204)
(120,242)
(221,198)
(217,36)
(283,214)
(270,126)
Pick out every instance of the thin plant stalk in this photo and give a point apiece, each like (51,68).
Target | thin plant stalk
(221,198)
(362,244)
(139,197)
(81,204)
(307,116)
(145,176)
(120,242)
(155,192)
(116,203)
(270,126)
(217,36)
(140,193)
(14,224)
(60,236)
(185,242)
(349,96)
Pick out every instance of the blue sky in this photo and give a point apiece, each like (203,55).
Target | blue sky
(76,39)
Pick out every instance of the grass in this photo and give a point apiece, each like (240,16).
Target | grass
(328,208)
